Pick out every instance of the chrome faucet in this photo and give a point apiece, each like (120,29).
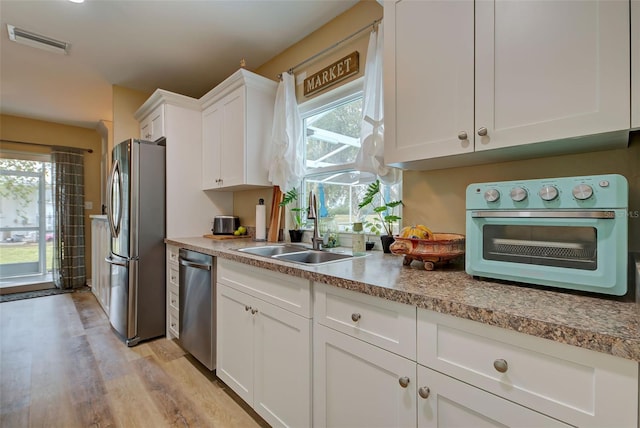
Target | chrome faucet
(312,214)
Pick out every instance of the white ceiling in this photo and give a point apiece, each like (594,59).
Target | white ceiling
(183,46)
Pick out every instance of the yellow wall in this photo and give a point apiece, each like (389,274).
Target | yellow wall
(437,198)
(357,17)
(53,134)
(125,103)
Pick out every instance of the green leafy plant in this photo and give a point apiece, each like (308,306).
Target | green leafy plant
(384,209)
(297,213)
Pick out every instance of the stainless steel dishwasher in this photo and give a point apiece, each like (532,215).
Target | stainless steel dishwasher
(197,306)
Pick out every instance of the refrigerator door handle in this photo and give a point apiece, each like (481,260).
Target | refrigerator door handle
(112,261)
(184,262)
(114,224)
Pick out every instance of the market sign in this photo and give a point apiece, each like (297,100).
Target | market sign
(339,70)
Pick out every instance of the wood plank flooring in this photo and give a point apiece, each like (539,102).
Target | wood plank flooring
(62,366)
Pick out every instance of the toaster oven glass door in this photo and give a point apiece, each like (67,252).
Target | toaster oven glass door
(562,246)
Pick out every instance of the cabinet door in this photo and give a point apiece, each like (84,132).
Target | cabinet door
(282,366)
(234,341)
(548,70)
(428,74)
(152,127)
(157,124)
(232,153)
(212,122)
(358,385)
(446,402)
(145,129)
(104,270)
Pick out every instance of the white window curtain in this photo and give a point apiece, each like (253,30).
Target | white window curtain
(286,168)
(370,158)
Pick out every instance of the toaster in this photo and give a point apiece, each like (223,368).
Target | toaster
(225,224)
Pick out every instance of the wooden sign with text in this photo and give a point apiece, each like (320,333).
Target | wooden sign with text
(339,70)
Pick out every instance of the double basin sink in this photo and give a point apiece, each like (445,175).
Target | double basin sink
(296,254)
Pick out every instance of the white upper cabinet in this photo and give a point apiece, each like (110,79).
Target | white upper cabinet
(428,72)
(465,76)
(236,128)
(152,126)
(549,70)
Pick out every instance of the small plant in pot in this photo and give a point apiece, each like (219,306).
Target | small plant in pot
(382,224)
(297,215)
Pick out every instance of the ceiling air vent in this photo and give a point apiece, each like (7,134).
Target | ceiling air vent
(28,38)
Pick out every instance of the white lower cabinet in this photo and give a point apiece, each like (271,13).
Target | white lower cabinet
(173,293)
(576,386)
(264,350)
(446,402)
(357,384)
(100,269)
(461,373)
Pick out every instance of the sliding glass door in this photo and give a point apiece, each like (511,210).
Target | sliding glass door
(26,219)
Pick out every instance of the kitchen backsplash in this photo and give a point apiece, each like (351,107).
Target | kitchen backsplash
(437,198)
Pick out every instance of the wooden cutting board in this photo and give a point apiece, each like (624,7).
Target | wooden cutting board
(221,237)
(276,213)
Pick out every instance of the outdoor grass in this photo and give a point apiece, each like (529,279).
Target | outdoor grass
(24,252)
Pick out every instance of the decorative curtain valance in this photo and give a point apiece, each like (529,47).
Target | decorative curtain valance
(286,167)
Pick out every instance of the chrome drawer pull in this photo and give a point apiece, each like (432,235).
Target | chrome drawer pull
(424,392)
(500,365)
(355,317)
(404,381)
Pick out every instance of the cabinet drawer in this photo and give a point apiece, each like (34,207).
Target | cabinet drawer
(173,294)
(285,291)
(569,383)
(444,401)
(174,325)
(389,325)
(172,254)
(173,277)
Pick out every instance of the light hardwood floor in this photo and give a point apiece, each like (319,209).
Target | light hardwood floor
(62,366)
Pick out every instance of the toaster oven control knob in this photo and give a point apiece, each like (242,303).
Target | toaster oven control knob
(518,194)
(548,193)
(491,195)
(582,192)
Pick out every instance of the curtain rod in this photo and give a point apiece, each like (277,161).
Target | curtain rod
(350,36)
(44,145)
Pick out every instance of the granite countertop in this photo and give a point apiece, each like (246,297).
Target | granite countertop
(605,325)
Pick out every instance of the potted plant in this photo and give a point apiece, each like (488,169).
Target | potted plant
(297,214)
(383,224)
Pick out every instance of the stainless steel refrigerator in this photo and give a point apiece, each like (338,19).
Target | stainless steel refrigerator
(136,214)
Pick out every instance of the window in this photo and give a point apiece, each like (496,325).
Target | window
(331,126)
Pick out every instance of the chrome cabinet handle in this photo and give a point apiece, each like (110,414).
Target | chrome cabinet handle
(404,381)
(462,135)
(424,392)
(501,365)
(482,131)
(355,317)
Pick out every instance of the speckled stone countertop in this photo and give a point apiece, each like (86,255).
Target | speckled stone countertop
(600,324)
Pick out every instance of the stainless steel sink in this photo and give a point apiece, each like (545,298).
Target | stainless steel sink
(296,254)
(313,257)
(272,250)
